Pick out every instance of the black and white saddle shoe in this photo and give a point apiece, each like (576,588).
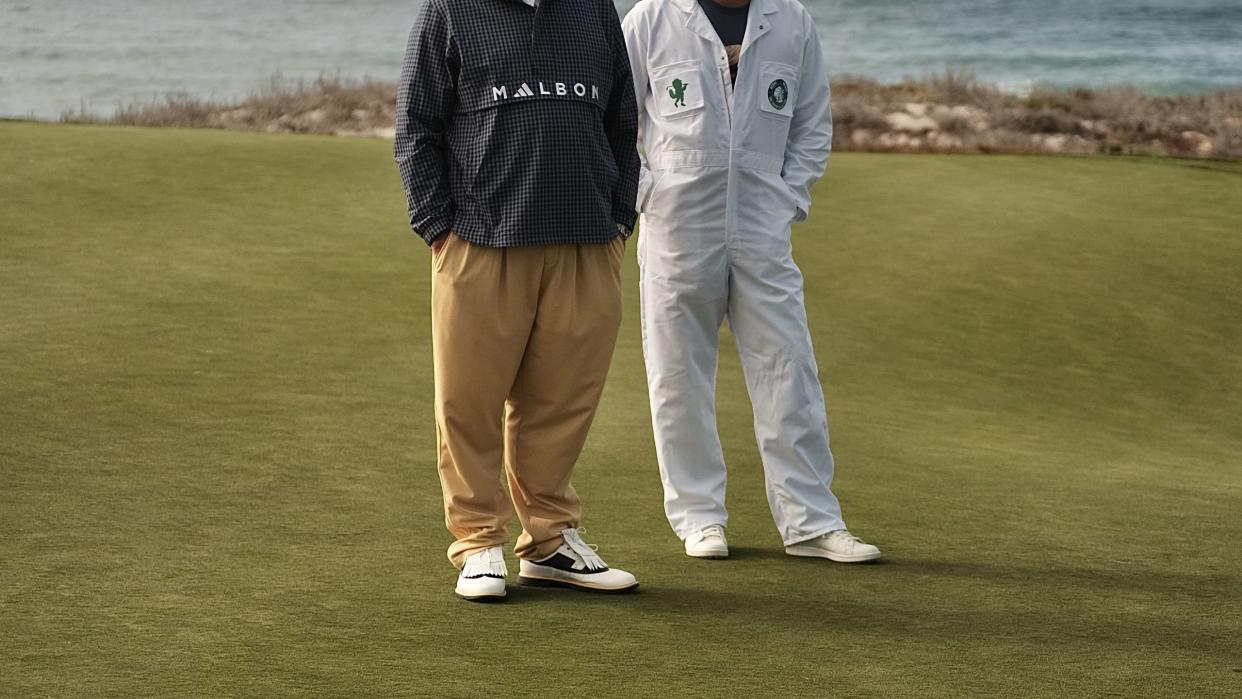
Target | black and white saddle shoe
(482,578)
(576,564)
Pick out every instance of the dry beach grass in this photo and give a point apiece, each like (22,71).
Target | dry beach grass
(955,113)
(948,113)
(326,106)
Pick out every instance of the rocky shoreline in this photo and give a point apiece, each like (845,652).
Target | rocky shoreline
(951,113)
(957,114)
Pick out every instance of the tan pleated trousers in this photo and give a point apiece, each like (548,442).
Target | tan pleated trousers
(522,339)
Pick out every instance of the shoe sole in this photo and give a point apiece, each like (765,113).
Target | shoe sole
(835,557)
(713,555)
(554,582)
(485,599)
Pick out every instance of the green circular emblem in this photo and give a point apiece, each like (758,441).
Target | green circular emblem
(778,93)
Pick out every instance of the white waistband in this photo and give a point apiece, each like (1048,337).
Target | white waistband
(750,160)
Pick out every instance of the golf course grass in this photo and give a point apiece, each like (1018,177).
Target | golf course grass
(216,441)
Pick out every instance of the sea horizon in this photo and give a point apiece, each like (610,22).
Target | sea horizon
(73,56)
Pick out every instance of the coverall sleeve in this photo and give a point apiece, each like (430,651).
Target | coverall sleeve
(621,125)
(636,47)
(810,134)
(426,99)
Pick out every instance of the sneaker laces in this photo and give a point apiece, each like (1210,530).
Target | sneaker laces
(713,532)
(845,537)
(586,552)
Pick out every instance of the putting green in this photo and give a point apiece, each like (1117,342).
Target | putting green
(216,472)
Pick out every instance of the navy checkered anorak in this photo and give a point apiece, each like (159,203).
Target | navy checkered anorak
(516,125)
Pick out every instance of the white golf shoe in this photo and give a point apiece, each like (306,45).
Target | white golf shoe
(482,578)
(708,542)
(840,546)
(575,564)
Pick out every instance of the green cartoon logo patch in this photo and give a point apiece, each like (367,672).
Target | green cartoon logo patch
(778,94)
(678,92)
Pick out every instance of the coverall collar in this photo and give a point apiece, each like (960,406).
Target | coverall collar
(698,22)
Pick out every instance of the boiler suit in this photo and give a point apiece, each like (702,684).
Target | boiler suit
(726,169)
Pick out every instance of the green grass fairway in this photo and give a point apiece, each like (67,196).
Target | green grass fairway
(216,460)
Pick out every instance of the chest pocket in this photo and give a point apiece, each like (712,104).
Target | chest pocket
(678,89)
(778,88)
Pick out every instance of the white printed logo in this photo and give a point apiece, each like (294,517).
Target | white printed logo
(559,89)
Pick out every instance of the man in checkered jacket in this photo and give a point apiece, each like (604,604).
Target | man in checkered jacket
(516,135)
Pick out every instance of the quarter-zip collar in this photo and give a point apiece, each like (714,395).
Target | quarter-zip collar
(532,43)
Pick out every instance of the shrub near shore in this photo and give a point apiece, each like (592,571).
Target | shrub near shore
(954,113)
(949,113)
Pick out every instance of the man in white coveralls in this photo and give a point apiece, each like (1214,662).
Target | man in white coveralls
(734,128)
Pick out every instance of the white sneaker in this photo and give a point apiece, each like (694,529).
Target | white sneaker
(840,546)
(482,578)
(575,564)
(708,542)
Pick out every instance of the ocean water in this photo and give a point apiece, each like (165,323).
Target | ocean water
(59,55)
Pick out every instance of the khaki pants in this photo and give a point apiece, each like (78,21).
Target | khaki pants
(522,339)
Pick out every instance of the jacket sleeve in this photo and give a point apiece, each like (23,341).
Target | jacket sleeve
(636,47)
(426,98)
(810,133)
(621,125)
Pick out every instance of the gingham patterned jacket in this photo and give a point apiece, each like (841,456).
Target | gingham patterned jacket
(517,126)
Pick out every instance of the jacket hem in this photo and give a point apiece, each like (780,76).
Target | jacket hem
(513,240)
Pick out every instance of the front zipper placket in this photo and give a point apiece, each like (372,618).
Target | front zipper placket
(730,182)
(731,187)
(532,64)
(722,69)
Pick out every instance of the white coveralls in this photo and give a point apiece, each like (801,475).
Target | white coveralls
(726,170)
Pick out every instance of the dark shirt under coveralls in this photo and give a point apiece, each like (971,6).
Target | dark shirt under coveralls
(730,26)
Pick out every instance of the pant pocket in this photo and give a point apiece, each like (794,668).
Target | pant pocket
(437,256)
(616,250)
